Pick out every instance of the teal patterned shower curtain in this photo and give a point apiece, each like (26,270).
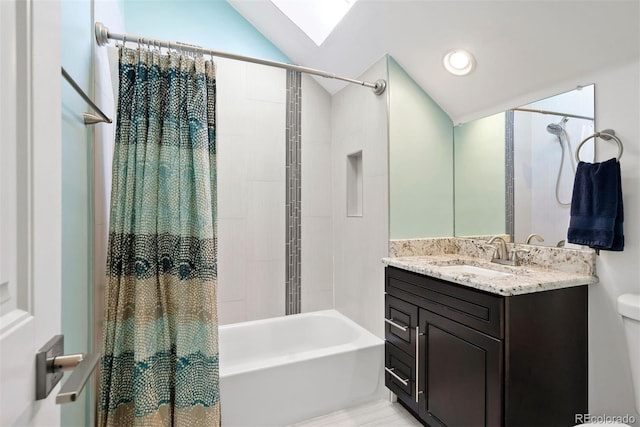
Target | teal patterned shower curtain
(160,361)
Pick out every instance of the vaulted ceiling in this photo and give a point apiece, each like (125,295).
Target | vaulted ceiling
(521,46)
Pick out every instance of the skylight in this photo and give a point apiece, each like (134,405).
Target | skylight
(317,18)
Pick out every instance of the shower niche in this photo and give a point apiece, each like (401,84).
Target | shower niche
(354,184)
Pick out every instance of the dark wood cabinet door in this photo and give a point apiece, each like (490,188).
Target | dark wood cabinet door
(460,375)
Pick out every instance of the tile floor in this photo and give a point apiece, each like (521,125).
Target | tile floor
(377,413)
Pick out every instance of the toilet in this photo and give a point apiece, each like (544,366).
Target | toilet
(629,309)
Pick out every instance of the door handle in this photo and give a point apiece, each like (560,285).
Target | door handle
(72,388)
(50,365)
(418,391)
(417,363)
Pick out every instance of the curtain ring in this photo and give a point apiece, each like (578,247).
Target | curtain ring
(124,40)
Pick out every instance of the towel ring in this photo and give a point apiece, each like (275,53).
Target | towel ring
(607,135)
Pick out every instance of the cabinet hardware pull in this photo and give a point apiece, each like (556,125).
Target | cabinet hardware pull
(417,361)
(397,325)
(394,375)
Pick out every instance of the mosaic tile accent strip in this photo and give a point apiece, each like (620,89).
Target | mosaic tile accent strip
(509,174)
(293,193)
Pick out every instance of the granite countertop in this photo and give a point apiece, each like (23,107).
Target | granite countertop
(520,280)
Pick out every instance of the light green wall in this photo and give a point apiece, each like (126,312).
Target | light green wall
(77,241)
(480,177)
(211,24)
(420,161)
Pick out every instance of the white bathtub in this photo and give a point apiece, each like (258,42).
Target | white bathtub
(279,371)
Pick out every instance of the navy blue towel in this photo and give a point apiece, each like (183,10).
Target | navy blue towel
(596,206)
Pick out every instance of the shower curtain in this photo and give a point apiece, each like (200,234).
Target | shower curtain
(160,354)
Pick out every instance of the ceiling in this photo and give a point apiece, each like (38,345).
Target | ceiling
(522,47)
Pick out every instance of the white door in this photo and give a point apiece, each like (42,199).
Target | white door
(30,267)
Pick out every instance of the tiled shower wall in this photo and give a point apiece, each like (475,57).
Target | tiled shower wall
(360,123)
(251,191)
(316,250)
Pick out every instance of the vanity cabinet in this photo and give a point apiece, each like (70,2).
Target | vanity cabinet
(458,356)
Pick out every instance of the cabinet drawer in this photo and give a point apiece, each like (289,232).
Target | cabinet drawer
(401,319)
(401,379)
(479,310)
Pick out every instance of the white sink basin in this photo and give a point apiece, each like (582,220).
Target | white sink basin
(472,269)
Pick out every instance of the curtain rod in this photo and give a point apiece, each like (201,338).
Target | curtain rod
(103,35)
(554,113)
(89,119)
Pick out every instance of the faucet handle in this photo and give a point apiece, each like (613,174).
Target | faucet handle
(514,255)
(494,247)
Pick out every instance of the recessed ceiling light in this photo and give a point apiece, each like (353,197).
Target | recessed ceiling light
(459,62)
(316,18)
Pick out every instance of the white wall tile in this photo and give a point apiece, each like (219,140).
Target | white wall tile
(265,280)
(359,121)
(316,111)
(317,255)
(266,221)
(316,178)
(232,174)
(251,199)
(265,83)
(266,141)
(232,312)
(232,258)
(316,300)
(265,308)
(231,112)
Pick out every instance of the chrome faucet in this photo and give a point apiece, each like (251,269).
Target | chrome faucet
(531,236)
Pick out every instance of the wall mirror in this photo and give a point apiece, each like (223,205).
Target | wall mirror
(514,171)
(510,173)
